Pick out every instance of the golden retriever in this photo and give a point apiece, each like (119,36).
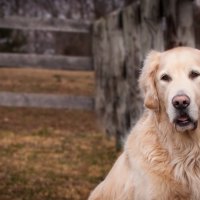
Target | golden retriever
(161,158)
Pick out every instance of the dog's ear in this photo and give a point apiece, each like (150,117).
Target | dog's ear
(147,80)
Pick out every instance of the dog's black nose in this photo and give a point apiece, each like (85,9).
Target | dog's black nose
(181,102)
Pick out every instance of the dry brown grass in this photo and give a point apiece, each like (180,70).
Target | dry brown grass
(47,81)
(48,154)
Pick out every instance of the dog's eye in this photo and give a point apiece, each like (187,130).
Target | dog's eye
(166,77)
(194,74)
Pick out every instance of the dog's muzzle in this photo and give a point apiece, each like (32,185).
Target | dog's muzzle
(183,121)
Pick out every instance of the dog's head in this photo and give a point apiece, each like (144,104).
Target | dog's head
(170,82)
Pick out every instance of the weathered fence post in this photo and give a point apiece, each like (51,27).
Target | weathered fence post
(117,90)
(121,40)
(197,25)
(133,62)
(116,57)
(179,17)
(108,49)
(152,33)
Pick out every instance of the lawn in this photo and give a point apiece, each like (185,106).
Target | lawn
(47,81)
(48,154)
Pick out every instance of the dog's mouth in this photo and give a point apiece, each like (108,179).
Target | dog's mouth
(184,122)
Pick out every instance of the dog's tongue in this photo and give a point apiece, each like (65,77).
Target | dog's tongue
(183,118)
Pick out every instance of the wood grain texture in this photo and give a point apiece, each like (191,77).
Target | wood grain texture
(60,25)
(11,99)
(121,41)
(45,61)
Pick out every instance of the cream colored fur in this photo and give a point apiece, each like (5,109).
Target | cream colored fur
(159,162)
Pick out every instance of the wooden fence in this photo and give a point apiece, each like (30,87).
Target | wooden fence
(120,42)
(60,25)
(47,62)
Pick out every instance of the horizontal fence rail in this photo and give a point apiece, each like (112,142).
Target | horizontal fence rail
(56,62)
(61,25)
(11,99)
(46,61)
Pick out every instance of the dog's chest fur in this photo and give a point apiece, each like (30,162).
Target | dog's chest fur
(184,158)
(186,169)
(177,166)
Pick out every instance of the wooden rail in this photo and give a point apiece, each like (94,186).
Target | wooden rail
(45,61)
(45,24)
(10,99)
(60,62)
